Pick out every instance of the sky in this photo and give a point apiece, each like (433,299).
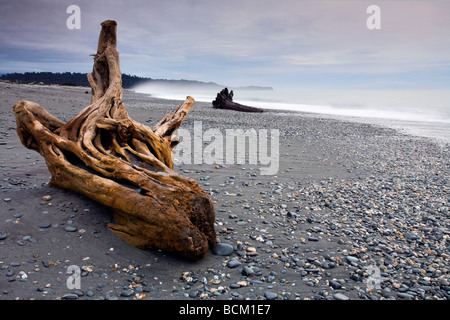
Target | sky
(281,43)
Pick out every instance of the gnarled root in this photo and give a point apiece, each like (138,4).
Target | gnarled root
(105,155)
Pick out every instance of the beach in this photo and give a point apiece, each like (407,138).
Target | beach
(355,211)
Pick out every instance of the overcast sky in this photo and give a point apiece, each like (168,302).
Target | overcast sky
(279,43)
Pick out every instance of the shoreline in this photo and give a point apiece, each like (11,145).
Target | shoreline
(408,127)
(349,198)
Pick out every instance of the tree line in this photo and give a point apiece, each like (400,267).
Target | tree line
(65,78)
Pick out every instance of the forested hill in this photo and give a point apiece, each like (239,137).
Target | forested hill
(128,82)
(65,78)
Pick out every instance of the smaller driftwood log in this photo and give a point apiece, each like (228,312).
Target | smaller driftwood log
(224,100)
(105,155)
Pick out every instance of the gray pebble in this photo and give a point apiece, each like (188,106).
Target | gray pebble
(340,296)
(247,271)
(20,242)
(223,249)
(78,293)
(334,284)
(352,259)
(45,225)
(405,296)
(126,293)
(70,229)
(270,295)
(233,263)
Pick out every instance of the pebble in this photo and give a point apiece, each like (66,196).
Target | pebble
(352,259)
(127,293)
(45,225)
(47,198)
(223,249)
(70,296)
(270,295)
(233,263)
(78,293)
(405,296)
(340,296)
(247,271)
(70,229)
(334,284)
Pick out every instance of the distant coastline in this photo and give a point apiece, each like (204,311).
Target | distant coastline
(128,81)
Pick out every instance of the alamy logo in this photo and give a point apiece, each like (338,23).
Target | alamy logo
(374,20)
(374,280)
(74,280)
(74,20)
(237,146)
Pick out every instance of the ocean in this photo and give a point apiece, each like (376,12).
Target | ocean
(423,113)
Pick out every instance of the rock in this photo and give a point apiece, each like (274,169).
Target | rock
(247,271)
(47,198)
(270,295)
(7,199)
(45,225)
(223,249)
(352,259)
(405,296)
(23,276)
(233,263)
(3,235)
(70,229)
(78,293)
(340,296)
(70,296)
(126,293)
(334,284)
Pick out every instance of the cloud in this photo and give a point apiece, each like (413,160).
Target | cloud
(252,40)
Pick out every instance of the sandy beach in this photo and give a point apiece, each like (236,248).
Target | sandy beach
(355,211)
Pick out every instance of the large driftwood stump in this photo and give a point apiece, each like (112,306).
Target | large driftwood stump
(105,155)
(224,100)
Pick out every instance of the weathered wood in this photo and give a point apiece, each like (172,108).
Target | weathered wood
(105,155)
(224,100)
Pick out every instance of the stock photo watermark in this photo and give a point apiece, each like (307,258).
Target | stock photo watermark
(74,280)
(375,279)
(73,22)
(236,146)
(374,20)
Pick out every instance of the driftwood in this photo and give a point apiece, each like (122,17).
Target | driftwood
(224,100)
(105,155)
